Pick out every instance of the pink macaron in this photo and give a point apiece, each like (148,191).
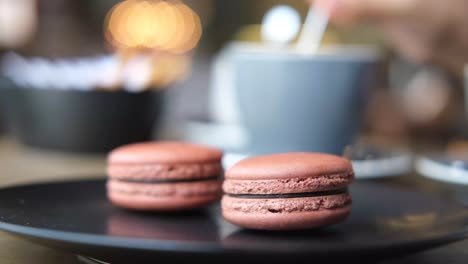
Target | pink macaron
(289,191)
(164,176)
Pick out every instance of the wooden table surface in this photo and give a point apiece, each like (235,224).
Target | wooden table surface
(22,165)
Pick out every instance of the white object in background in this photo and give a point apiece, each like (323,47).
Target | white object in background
(137,73)
(432,85)
(109,71)
(18,20)
(39,73)
(230,159)
(78,74)
(312,32)
(383,167)
(65,75)
(454,173)
(230,137)
(280,25)
(82,74)
(12,65)
(223,103)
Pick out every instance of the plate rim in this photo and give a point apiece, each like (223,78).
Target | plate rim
(155,245)
(202,247)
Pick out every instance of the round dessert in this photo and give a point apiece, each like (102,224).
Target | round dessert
(164,176)
(288,191)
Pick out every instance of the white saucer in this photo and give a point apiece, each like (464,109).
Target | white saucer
(225,136)
(455,171)
(233,139)
(383,167)
(363,169)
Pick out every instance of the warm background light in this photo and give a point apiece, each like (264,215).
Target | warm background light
(169,26)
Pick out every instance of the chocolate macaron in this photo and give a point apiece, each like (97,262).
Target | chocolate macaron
(164,176)
(288,191)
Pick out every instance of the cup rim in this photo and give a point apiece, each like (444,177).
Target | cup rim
(257,51)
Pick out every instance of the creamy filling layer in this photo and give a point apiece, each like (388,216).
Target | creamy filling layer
(289,195)
(185,189)
(274,186)
(161,181)
(164,171)
(292,205)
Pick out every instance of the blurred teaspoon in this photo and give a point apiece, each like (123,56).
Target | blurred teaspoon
(312,33)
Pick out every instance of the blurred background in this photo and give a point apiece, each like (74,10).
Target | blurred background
(80,78)
(172,47)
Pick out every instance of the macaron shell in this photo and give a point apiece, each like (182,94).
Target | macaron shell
(164,152)
(164,171)
(286,213)
(291,185)
(147,203)
(289,165)
(291,221)
(162,197)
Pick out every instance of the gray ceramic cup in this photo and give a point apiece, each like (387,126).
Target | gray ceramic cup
(294,102)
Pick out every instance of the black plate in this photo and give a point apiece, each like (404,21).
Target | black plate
(75,216)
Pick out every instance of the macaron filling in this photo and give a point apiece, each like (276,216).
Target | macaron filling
(264,206)
(183,189)
(164,171)
(289,195)
(288,185)
(162,181)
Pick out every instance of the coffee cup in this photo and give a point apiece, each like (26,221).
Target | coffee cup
(289,101)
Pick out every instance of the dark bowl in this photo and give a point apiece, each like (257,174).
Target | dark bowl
(2,124)
(79,121)
(3,84)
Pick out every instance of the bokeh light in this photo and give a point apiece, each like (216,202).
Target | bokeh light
(18,22)
(169,26)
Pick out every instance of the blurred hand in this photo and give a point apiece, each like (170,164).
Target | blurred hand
(424,31)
